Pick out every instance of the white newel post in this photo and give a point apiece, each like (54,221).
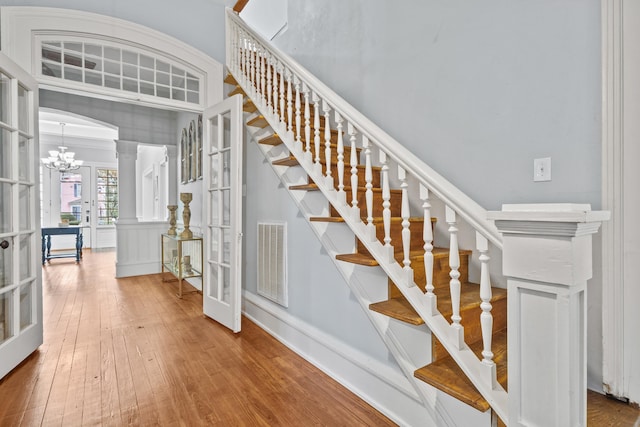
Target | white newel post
(547,258)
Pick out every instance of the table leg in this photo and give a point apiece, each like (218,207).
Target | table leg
(48,246)
(78,246)
(44,248)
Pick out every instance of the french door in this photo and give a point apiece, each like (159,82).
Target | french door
(20,272)
(222,167)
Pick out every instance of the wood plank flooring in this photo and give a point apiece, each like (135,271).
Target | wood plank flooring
(129,352)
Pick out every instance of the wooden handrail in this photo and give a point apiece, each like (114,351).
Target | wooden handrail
(240,4)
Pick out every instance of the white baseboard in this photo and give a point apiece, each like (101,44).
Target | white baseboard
(380,385)
(136,269)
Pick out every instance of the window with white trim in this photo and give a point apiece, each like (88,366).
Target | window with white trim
(113,67)
(107,196)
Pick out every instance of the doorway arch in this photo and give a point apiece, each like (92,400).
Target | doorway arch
(29,34)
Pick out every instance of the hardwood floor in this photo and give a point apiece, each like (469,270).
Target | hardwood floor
(128,352)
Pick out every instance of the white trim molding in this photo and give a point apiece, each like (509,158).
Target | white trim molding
(612,186)
(22,30)
(620,175)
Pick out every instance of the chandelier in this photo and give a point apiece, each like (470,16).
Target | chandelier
(61,159)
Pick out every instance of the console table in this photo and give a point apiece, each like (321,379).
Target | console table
(47,232)
(182,257)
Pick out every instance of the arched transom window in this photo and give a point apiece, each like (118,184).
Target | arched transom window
(108,67)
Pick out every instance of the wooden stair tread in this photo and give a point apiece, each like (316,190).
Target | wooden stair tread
(237,90)
(249,106)
(307,187)
(229,79)
(394,220)
(374,189)
(326,219)
(366,259)
(271,140)
(467,299)
(286,161)
(360,259)
(445,374)
(258,121)
(401,309)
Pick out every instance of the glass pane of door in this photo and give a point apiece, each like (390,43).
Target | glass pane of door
(26,305)
(20,280)
(222,167)
(24,157)
(5,208)
(5,98)
(5,153)
(6,316)
(6,261)
(71,198)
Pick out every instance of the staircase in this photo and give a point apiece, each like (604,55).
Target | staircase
(442,372)
(436,309)
(359,191)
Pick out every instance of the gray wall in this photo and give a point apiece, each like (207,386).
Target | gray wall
(476,89)
(318,294)
(199,23)
(135,123)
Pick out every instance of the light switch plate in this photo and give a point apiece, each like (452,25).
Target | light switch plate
(542,169)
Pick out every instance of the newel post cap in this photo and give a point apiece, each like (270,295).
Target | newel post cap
(550,219)
(549,243)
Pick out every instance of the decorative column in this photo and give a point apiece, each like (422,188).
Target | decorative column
(172,179)
(127,153)
(547,258)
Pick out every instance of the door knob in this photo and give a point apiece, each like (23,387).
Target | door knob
(4,244)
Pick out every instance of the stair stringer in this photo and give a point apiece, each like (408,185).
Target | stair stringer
(395,335)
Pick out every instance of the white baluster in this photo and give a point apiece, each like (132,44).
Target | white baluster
(454,283)
(289,104)
(368,178)
(316,133)
(340,157)
(256,83)
(486,318)
(233,39)
(252,69)
(307,124)
(405,213)
(283,101)
(298,115)
(386,206)
(351,130)
(269,86)
(240,53)
(275,87)
(236,51)
(427,235)
(327,144)
(244,59)
(263,82)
